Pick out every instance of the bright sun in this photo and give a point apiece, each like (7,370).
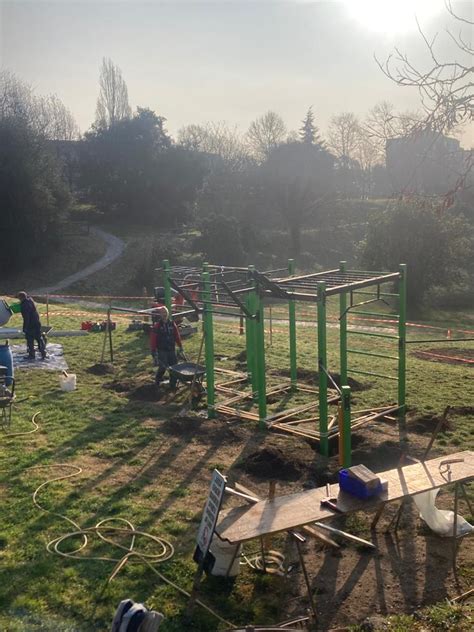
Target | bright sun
(392,16)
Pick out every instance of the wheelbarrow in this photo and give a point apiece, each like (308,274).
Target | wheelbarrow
(192,374)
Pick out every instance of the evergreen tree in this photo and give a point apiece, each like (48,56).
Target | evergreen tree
(309,133)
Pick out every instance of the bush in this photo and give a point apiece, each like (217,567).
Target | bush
(437,248)
(221,240)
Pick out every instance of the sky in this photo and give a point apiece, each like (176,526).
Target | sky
(193,61)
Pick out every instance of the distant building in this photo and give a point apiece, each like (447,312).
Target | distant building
(425,163)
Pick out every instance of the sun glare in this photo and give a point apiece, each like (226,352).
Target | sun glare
(392,16)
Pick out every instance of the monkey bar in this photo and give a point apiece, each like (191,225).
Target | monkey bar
(242,292)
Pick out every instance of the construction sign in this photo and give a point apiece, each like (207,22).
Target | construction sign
(211,512)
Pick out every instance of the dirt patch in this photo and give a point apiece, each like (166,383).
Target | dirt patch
(464,357)
(427,423)
(145,393)
(271,462)
(464,411)
(119,386)
(101,369)
(311,377)
(215,431)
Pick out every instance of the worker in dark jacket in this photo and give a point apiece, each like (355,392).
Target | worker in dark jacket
(165,337)
(31,326)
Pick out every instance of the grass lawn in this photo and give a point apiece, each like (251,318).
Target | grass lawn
(144,462)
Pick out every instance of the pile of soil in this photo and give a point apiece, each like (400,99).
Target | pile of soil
(214,431)
(145,393)
(119,386)
(270,462)
(101,369)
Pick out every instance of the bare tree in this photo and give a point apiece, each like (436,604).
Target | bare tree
(112,104)
(344,134)
(46,115)
(16,97)
(265,133)
(192,137)
(217,139)
(55,119)
(383,123)
(445,85)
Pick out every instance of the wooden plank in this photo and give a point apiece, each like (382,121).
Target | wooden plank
(295,510)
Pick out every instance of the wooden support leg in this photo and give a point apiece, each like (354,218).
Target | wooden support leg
(377,517)
(395,521)
(455,528)
(466,498)
(262,553)
(305,574)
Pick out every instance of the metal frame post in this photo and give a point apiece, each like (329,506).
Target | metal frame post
(346,439)
(209,344)
(251,325)
(260,361)
(167,285)
(322,365)
(402,290)
(343,331)
(292,331)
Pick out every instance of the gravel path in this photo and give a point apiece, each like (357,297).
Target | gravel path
(115,247)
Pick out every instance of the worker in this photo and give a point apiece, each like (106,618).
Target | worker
(31,326)
(165,337)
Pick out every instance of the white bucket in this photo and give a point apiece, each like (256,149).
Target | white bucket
(68,382)
(224,553)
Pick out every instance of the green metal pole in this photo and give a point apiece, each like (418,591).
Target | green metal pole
(252,304)
(167,285)
(248,341)
(402,290)
(209,345)
(346,427)
(343,331)
(322,364)
(292,332)
(260,362)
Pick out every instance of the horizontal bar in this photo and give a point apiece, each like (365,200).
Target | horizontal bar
(418,342)
(371,353)
(366,283)
(383,315)
(385,377)
(376,294)
(379,272)
(371,333)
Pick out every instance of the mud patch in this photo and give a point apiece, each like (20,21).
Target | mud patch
(205,430)
(271,462)
(427,423)
(145,393)
(119,386)
(463,357)
(101,369)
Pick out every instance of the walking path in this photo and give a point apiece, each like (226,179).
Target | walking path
(115,247)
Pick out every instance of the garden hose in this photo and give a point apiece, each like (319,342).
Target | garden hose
(105,530)
(19,434)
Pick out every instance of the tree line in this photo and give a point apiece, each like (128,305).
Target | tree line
(241,189)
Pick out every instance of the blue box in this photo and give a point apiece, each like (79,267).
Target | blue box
(355,487)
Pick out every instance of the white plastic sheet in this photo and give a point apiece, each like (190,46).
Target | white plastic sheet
(439,520)
(54,362)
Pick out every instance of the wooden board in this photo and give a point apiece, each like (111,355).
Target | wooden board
(294,510)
